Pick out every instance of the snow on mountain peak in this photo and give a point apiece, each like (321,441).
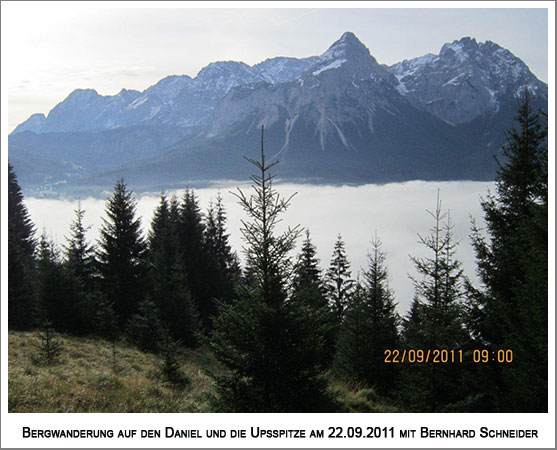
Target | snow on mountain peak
(465,80)
(347,46)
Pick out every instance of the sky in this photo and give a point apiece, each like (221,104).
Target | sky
(50,49)
(397,212)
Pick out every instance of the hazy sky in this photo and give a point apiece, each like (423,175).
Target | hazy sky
(50,50)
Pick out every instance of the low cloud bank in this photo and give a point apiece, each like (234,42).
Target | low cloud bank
(396,211)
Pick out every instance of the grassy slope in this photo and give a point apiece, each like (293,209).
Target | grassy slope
(86,380)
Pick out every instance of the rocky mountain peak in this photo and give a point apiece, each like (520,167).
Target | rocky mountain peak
(347,47)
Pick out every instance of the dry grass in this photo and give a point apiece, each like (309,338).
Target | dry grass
(86,380)
(359,399)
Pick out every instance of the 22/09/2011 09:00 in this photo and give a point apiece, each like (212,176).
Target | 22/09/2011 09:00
(443,356)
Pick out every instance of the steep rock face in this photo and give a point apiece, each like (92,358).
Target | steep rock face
(466,80)
(343,88)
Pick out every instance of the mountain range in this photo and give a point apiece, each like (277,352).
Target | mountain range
(341,117)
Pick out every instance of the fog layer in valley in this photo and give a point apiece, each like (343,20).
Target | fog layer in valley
(397,212)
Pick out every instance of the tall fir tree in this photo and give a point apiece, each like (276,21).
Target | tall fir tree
(170,290)
(308,289)
(438,306)
(22,295)
(61,294)
(122,255)
(266,343)
(80,254)
(194,256)
(221,260)
(82,271)
(308,286)
(340,285)
(369,328)
(510,310)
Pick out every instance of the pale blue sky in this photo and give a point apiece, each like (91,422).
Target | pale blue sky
(49,51)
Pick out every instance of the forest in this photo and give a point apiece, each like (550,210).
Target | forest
(275,332)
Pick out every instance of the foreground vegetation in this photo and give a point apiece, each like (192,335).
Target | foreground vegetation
(88,378)
(277,334)
(85,379)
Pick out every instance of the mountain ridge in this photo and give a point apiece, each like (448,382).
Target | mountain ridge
(339,116)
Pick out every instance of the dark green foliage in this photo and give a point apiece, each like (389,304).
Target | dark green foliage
(19,222)
(170,367)
(22,298)
(170,290)
(435,319)
(80,254)
(369,328)
(145,330)
(122,255)
(266,343)
(63,299)
(50,346)
(82,272)
(339,284)
(223,263)
(509,311)
(308,286)
(194,257)
(104,321)
(308,289)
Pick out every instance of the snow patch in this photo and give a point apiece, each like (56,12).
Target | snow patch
(334,65)
(455,81)
(137,102)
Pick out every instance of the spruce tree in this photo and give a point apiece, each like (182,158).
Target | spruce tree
(81,270)
(170,290)
(22,298)
(438,308)
(222,261)
(340,285)
(80,254)
(145,330)
(509,311)
(266,343)
(369,328)
(194,258)
(308,285)
(122,255)
(60,294)
(308,289)
(50,345)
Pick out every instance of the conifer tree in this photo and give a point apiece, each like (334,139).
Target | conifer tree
(194,257)
(80,254)
(369,328)
(22,298)
(170,366)
(509,310)
(308,286)
(61,296)
(170,290)
(222,261)
(266,343)
(308,289)
(340,285)
(145,330)
(82,272)
(122,255)
(438,308)
(50,345)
